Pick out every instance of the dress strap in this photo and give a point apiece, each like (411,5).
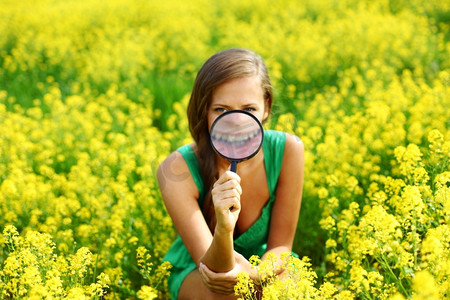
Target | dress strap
(273,147)
(191,160)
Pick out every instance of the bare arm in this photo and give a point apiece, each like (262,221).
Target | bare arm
(286,208)
(226,195)
(180,196)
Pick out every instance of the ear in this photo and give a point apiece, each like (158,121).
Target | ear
(266,115)
(267,109)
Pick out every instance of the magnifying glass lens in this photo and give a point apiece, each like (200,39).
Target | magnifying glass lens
(237,135)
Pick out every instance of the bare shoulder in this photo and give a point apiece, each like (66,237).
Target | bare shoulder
(173,175)
(294,148)
(293,159)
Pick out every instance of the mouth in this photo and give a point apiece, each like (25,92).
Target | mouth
(237,145)
(236,139)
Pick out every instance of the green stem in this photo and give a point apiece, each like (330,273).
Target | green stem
(399,282)
(95,269)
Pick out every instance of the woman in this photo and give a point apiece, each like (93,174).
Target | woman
(223,217)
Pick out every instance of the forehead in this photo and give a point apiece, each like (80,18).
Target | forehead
(240,89)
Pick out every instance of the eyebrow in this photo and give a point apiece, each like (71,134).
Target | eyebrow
(227,106)
(250,104)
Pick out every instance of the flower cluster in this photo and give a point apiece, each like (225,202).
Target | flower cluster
(33,270)
(82,171)
(284,277)
(379,192)
(155,277)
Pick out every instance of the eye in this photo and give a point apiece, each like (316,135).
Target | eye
(250,109)
(220,109)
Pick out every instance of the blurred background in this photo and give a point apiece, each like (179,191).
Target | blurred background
(93,96)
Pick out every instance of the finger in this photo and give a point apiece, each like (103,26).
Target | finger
(239,188)
(205,278)
(226,199)
(228,175)
(231,184)
(224,288)
(219,197)
(227,186)
(226,278)
(208,276)
(225,194)
(232,204)
(219,288)
(211,275)
(233,175)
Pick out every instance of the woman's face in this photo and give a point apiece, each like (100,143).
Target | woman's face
(243,93)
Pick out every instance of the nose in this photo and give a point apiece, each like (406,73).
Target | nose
(240,118)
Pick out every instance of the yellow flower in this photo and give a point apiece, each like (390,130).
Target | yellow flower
(328,223)
(53,282)
(442,196)
(330,243)
(244,286)
(327,291)
(147,293)
(254,260)
(11,236)
(77,293)
(397,297)
(143,258)
(97,289)
(322,193)
(80,262)
(267,267)
(436,140)
(425,287)
(163,270)
(409,158)
(410,206)
(358,277)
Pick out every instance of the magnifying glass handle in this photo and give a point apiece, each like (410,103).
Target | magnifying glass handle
(233,166)
(233,169)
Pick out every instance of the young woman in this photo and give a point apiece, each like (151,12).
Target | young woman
(223,217)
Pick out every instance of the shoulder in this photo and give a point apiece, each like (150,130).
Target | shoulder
(290,182)
(171,166)
(176,159)
(293,145)
(293,156)
(173,173)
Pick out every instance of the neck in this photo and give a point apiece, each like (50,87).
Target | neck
(224,164)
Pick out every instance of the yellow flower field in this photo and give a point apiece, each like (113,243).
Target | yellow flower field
(93,97)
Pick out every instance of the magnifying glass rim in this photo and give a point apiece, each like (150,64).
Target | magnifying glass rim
(237,111)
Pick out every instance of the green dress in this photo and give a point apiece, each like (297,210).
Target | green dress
(251,242)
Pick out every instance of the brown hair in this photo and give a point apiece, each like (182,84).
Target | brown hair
(219,68)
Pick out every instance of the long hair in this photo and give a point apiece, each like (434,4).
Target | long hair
(219,68)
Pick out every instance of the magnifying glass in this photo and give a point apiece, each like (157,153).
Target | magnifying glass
(236,135)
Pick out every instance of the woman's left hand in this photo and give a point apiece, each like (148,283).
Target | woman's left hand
(220,283)
(223,283)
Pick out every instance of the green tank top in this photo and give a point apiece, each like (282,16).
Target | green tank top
(251,242)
